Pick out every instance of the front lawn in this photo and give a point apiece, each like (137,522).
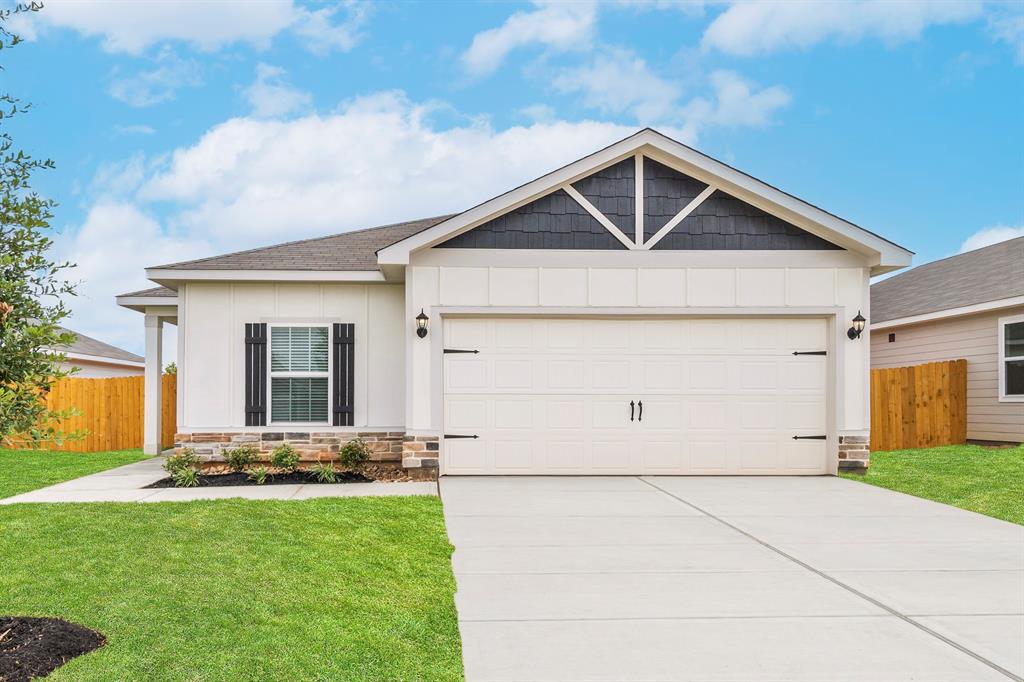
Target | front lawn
(24,470)
(987,480)
(345,589)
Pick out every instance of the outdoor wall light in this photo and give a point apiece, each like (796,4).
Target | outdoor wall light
(858,326)
(422,320)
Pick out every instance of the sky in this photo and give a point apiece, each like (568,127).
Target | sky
(186,129)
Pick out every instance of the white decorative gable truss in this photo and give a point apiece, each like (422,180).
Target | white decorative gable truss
(882,255)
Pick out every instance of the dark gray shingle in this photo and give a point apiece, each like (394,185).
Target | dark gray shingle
(86,345)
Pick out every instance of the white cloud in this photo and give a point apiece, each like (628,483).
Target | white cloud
(750,28)
(617,81)
(1009,29)
(134,129)
(149,87)
(271,97)
(134,26)
(737,102)
(991,235)
(554,25)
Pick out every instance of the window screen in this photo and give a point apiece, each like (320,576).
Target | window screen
(299,364)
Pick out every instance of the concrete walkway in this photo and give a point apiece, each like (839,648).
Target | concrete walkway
(666,578)
(125,484)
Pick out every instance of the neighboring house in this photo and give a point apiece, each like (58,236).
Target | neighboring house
(968,306)
(95,359)
(645,309)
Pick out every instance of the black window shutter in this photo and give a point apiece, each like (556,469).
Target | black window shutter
(256,374)
(343,375)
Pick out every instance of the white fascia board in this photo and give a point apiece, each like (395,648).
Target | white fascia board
(170,278)
(140,303)
(84,357)
(886,255)
(950,312)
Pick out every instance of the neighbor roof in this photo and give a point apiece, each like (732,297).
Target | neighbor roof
(988,274)
(347,251)
(153,292)
(86,345)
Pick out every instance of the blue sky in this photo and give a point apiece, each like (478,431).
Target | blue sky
(182,129)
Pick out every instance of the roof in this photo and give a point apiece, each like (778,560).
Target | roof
(355,251)
(86,345)
(153,292)
(988,274)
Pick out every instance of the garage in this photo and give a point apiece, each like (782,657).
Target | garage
(633,395)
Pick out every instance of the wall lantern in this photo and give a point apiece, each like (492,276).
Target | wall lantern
(858,326)
(422,320)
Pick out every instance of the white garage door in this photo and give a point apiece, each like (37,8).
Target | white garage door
(641,396)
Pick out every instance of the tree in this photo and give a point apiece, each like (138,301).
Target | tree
(32,284)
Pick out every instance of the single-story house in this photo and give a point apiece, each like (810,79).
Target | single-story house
(968,306)
(645,309)
(95,359)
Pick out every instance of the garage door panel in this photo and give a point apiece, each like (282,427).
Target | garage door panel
(720,396)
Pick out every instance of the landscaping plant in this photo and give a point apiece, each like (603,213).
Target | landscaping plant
(259,475)
(186,458)
(285,457)
(186,477)
(324,472)
(240,458)
(354,453)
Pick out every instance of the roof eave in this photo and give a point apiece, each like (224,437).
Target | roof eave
(172,278)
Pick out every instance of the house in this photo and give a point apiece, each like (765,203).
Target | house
(94,359)
(645,309)
(968,306)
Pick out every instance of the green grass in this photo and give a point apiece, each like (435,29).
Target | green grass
(24,470)
(325,589)
(982,479)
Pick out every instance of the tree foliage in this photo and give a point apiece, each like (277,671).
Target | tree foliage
(33,288)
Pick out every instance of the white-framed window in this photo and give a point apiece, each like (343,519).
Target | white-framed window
(300,374)
(1011,359)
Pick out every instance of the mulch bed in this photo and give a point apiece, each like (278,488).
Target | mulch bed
(35,647)
(212,480)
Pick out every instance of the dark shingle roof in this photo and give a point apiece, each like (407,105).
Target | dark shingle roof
(86,345)
(158,292)
(988,274)
(347,251)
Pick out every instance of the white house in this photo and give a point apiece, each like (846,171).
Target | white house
(645,309)
(94,359)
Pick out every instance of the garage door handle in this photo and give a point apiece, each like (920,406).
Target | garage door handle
(810,437)
(458,435)
(632,408)
(641,406)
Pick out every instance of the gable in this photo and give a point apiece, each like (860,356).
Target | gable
(599,211)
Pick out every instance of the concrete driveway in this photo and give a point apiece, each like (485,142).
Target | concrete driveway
(666,578)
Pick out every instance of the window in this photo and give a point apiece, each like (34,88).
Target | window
(299,374)
(1011,359)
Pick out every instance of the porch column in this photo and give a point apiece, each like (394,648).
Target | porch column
(154,370)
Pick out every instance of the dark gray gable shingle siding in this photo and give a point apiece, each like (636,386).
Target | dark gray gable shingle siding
(724,222)
(612,191)
(666,193)
(555,221)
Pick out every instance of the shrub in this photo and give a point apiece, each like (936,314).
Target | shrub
(354,453)
(259,474)
(240,458)
(186,459)
(186,477)
(284,457)
(324,472)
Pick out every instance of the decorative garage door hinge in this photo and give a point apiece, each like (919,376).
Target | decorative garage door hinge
(459,350)
(810,352)
(810,437)
(458,435)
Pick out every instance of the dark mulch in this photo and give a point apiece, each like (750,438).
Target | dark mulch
(218,480)
(34,647)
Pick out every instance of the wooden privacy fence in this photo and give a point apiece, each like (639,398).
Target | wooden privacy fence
(111,411)
(920,406)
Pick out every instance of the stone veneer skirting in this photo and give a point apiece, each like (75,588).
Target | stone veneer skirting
(410,452)
(854,452)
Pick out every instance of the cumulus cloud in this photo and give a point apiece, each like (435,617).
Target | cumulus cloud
(616,82)
(751,28)
(270,96)
(159,84)
(132,27)
(990,236)
(553,25)
(737,103)
(1009,29)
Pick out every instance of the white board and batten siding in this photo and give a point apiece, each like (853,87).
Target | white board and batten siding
(211,345)
(974,338)
(635,396)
